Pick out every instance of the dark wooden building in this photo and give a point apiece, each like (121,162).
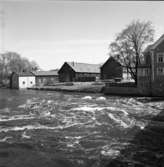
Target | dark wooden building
(46,77)
(111,69)
(78,72)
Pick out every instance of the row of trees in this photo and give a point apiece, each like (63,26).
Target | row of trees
(130,43)
(13,62)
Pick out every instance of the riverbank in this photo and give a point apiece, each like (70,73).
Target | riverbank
(82,87)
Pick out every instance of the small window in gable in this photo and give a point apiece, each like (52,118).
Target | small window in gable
(23,82)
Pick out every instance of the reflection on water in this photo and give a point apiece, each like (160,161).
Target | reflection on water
(62,129)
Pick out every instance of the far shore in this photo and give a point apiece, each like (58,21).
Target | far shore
(82,87)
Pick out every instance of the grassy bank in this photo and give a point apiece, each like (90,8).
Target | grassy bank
(86,87)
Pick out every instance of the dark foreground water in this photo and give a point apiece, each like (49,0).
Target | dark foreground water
(51,129)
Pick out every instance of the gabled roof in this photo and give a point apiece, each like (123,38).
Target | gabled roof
(84,67)
(23,74)
(111,59)
(155,44)
(46,73)
(148,48)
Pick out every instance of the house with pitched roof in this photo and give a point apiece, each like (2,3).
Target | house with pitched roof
(22,80)
(111,69)
(46,77)
(78,72)
(151,70)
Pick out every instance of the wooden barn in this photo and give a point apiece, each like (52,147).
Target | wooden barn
(46,77)
(111,69)
(78,72)
(22,80)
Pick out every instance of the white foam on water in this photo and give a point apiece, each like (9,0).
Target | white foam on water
(28,101)
(22,106)
(50,101)
(25,136)
(92,109)
(101,98)
(141,125)
(87,98)
(35,127)
(15,117)
(116,109)
(110,152)
(29,127)
(5,138)
(86,108)
(123,124)
(74,137)
(45,113)
(70,145)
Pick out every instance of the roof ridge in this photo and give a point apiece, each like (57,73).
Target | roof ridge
(80,63)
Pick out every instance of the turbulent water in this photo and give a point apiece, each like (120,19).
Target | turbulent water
(52,129)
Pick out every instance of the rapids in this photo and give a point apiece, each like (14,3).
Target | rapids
(63,129)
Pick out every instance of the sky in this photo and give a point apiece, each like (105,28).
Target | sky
(52,32)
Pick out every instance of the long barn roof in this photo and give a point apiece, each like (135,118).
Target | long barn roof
(84,67)
(46,73)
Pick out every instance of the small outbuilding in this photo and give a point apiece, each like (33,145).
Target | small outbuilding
(111,69)
(78,72)
(46,77)
(22,80)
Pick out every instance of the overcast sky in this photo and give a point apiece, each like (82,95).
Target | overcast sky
(51,32)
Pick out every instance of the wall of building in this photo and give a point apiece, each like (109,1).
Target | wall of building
(157,81)
(26,81)
(46,80)
(14,84)
(66,74)
(86,77)
(111,70)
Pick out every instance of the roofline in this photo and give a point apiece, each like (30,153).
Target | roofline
(44,75)
(89,72)
(157,42)
(108,59)
(21,74)
(67,62)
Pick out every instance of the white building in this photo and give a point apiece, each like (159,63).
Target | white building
(22,80)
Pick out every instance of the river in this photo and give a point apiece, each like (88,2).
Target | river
(55,129)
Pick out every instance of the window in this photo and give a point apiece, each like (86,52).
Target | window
(160,70)
(143,72)
(39,80)
(31,82)
(23,82)
(160,57)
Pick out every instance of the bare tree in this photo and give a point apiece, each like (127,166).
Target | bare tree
(130,43)
(13,62)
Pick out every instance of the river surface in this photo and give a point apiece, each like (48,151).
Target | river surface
(54,129)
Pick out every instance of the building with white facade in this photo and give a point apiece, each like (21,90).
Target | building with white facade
(22,80)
